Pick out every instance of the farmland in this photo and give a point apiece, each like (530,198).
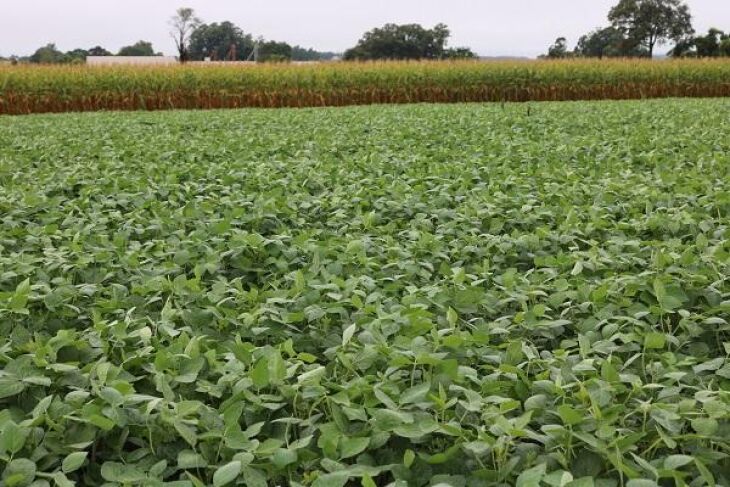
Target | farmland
(518,294)
(37,89)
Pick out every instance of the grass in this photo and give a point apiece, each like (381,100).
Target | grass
(32,89)
(414,295)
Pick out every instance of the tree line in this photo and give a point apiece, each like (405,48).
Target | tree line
(637,27)
(196,40)
(50,54)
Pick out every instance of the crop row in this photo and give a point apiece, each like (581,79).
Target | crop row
(35,89)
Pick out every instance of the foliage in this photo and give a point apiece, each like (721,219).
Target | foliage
(465,295)
(216,41)
(98,51)
(140,48)
(607,42)
(409,41)
(709,44)
(459,53)
(47,54)
(183,23)
(713,44)
(725,46)
(300,53)
(77,56)
(29,89)
(652,22)
(273,51)
(559,49)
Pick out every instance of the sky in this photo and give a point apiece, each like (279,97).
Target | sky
(489,27)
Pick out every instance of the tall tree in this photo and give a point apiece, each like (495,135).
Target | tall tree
(725,46)
(140,48)
(99,51)
(709,44)
(410,41)
(715,43)
(559,49)
(652,22)
(272,51)
(608,42)
(77,56)
(600,43)
(218,41)
(47,54)
(183,23)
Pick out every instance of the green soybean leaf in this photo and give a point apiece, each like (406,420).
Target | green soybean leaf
(19,472)
(673,462)
(348,333)
(335,479)
(283,457)
(532,476)
(226,474)
(569,415)
(118,472)
(349,447)
(655,341)
(73,461)
(12,437)
(10,387)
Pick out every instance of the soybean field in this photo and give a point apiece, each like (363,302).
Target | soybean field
(408,295)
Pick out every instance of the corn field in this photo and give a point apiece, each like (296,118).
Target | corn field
(38,89)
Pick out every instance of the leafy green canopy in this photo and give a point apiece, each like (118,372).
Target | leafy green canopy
(220,42)
(608,42)
(715,43)
(140,48)
(652,22)
(407,41)
(453,295)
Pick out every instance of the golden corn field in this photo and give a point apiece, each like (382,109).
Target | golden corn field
(37,89)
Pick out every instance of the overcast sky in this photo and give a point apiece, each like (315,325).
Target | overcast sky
(490,27)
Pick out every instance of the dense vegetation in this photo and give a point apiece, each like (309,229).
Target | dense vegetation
(446,295)
(29,89)
(406,42)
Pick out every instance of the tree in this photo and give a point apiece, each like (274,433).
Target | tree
(183,23)
(559,49)
(608,42)
(99,51)
(410,41)
(47,54)
(299,53)
(77,56)
(219,41)
(600,43)
(141,48)
(725,47)
(459,53)
(713,44)
(684,48)
(709,45)
(652,22)
(272,51)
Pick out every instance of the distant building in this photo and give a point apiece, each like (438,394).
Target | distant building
(124,60)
